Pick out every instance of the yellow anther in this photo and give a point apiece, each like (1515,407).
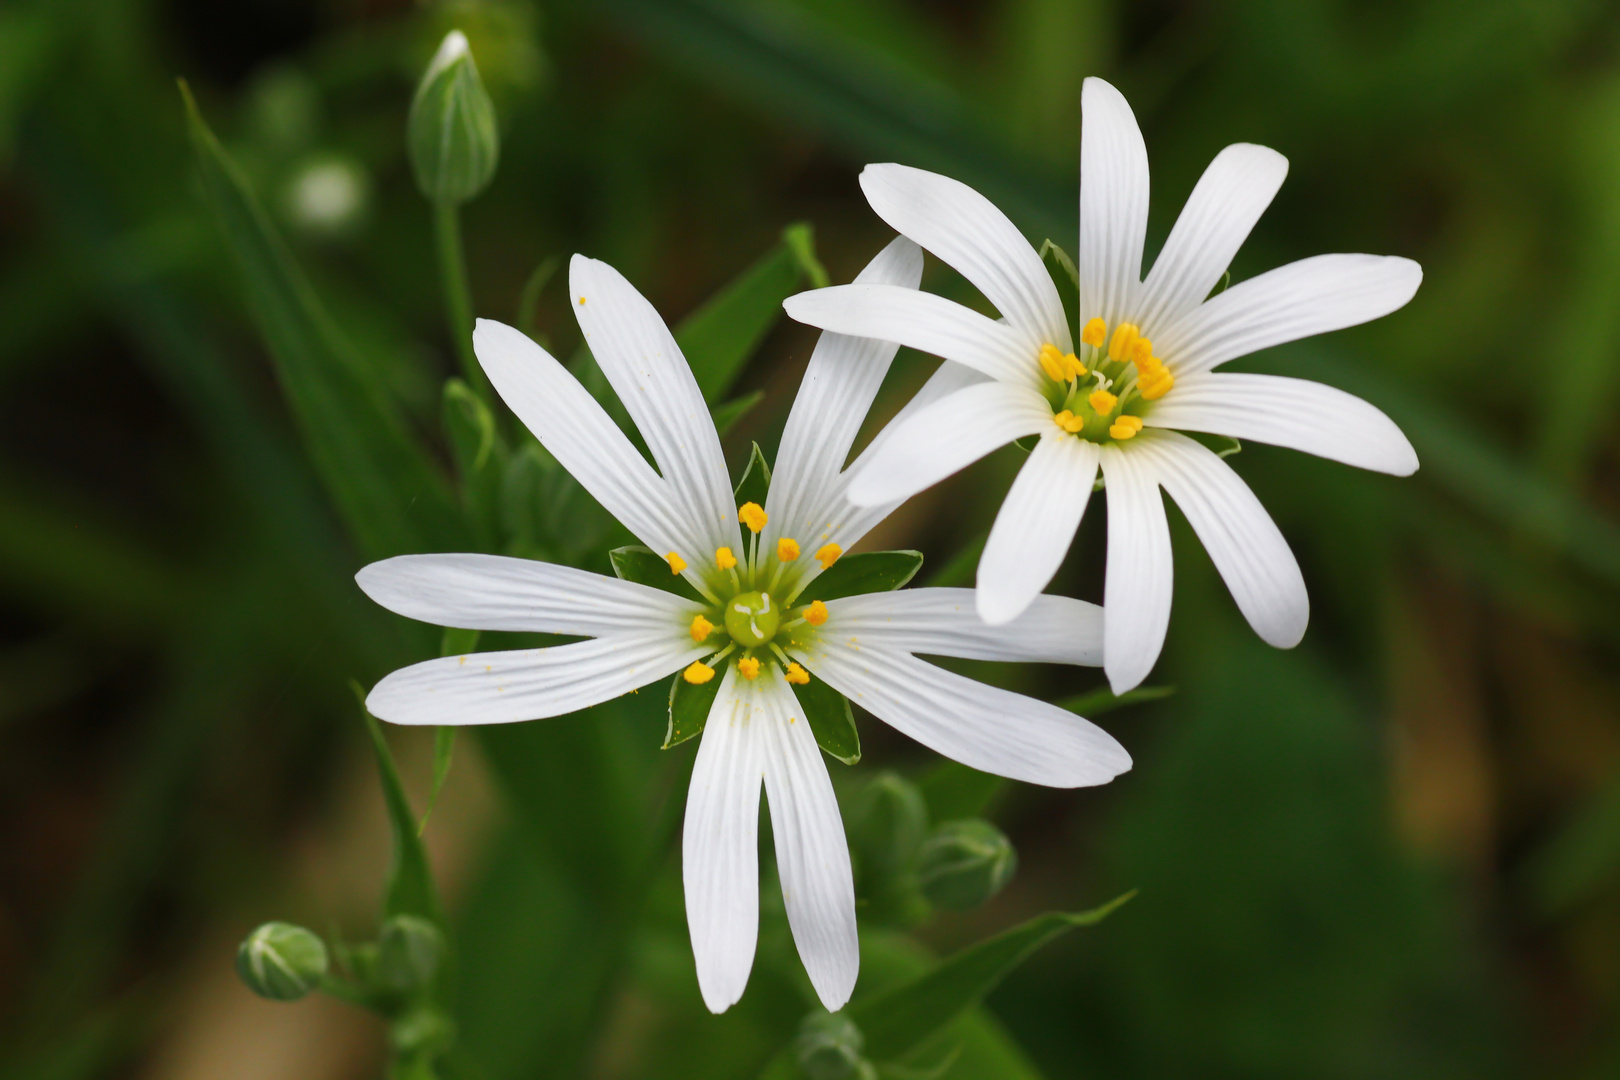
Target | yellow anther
(1072,367)
(701,628)
(1142,352)
(1124,334)
(1068,421)
(1103,402)
(828,554)
(1126,427)
(796,674)
(787,550)
(698,673)
(748,667)
(816,613)
(676,563)
(1094,333)
(1155,387)
(724,559)
(752,515)
(1052,363)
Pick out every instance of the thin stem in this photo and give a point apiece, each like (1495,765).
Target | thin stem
(457,293)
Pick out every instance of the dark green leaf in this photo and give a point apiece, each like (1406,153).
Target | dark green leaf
(385,485)
(689,706)
(645,567)
(1099,701)
(1067,279)
(867,572)
(755,484)
(719,337)
(728,413)
(898,1020)
(831,719)
(410,889)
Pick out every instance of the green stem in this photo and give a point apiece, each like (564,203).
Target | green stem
(458,294)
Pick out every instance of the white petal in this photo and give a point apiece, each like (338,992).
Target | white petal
(529,684)
(923,321)
(639,356)
(720,844)
(812,856)
(1311,296)
(1035,525)
(983,727)
(948,435)
(966,230)
(582,437)
(1137,584)
(944,622)
(1113,204)
(494,592)
(946,380)
(1242,540)
(1229,198)
(1296,413)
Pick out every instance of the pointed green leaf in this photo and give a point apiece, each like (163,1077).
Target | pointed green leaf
(385,486)
(831,719)
(646,567)
(898,1020)
(720,336)
(1102,700)
(469,427)
(1067,279)
(726,415)
(867,572)
(689,705)
(755,484)
(410,889)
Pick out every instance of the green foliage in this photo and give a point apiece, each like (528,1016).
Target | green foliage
(830,719)
(1067,280)
(963,864)
(865,572)
(641,565)
(689,705)
(410,889)
(451,134)
(755,484)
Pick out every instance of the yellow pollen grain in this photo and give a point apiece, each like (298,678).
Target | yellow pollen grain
(1103,402)
(816,613)
(787,549)
(748,667)
(724,559)
(582,301)
(752,515)
(796,674)
(1094,333)
(1052,362)
(701,628)
(828,554)
(676,563)
(1124,334)
(1068,421)
(698,673)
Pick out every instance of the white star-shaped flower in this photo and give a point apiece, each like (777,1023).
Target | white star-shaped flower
(750,620)
(1143,370)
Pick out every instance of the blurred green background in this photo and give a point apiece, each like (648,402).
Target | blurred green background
(1392,852)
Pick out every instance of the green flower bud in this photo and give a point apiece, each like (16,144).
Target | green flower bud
(424,1031)
(889,823)
(451,133)
(281,961)
(829,1047)
(963,864)
(409,950)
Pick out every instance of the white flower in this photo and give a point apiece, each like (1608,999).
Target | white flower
(1143,369)
(746,624)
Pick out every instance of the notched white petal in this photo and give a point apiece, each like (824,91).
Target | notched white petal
(944,622)
(1035,525)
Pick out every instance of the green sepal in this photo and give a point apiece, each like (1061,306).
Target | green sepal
(728,413)
(646,567)
(689,705)
(831,719)
(756,480)
(1067,279)
(1223,445)
(867,572)
(1220,286)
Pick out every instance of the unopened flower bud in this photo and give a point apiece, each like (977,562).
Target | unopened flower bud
(889,824)
(409,950)
(451,133)
(963,864)
(829,1047)
(281,961)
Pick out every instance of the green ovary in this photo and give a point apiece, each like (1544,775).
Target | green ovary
(752,618)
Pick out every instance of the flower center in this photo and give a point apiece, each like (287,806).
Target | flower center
(1105,402)
(752,619)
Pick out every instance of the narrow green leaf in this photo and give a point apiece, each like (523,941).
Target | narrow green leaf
(469,427)
(800,239)
(1223,445)
(867,572)
(719,337)
(1096,702)
(410,889)
(689,706)
(755,484)
(1067,279)
(385,486)
(728,413)
(529,298)
(831,719)
(898,1020)
(1220,286)
(646,567)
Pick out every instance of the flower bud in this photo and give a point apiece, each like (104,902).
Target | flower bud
(829,1047)
(281,961)
(889,824)
(963,864)
(409,949)
(451,133)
